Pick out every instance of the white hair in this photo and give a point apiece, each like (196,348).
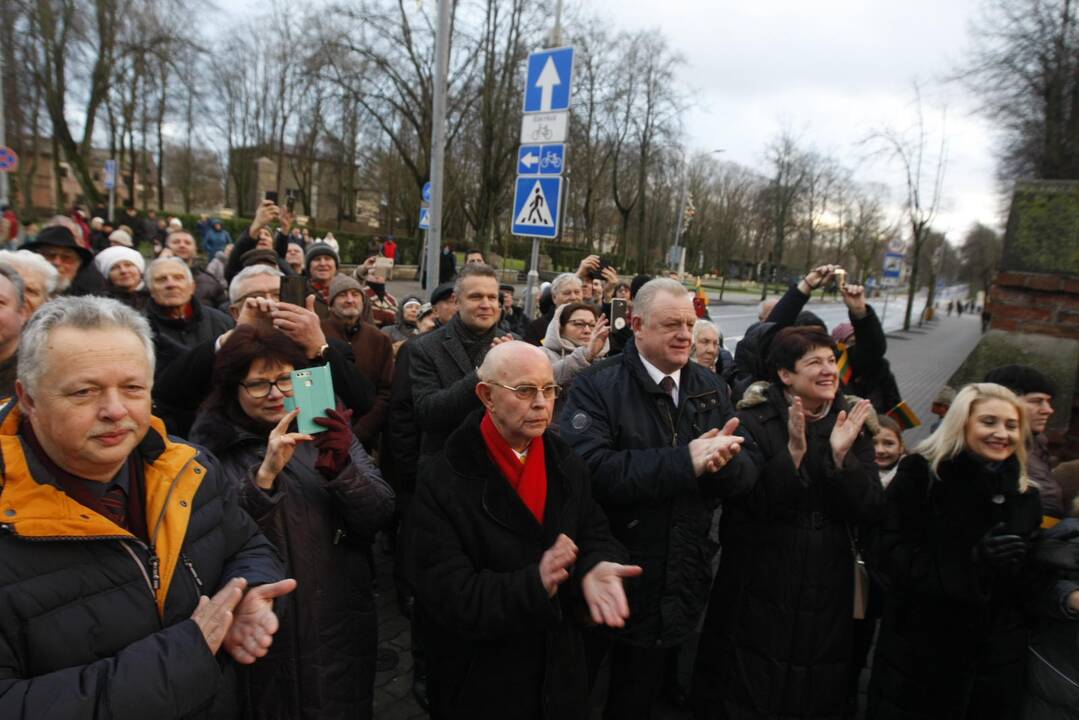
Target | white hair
(82,313)
(702,325)
(30,261)
(161,262)
(559,282)
(646,296)
(249,272)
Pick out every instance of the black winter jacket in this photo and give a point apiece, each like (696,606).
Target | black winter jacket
(953,640)
(497,646)
(872,376)
(174,337)
(83,632)
(635,443)
(443,380)
(778,635)
(322,662)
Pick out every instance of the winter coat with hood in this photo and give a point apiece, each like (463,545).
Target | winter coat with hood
(636,445)
(215,239)
(1053,663)
(88,629)
(322,662)
(401,330)
(777,639)
(567,357)
(953,639)
(497,645)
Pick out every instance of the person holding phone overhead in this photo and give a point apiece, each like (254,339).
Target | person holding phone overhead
(953,554)
(319,499)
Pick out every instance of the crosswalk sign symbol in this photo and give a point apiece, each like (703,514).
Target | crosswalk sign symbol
(535,206)
(425,219)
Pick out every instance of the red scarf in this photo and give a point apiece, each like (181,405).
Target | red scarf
(528,478)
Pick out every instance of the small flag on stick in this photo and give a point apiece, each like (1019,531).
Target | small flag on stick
(905,416)
(842,365)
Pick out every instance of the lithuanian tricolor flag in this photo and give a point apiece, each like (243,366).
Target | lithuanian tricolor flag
(905,416)
(842,365)
(700,291)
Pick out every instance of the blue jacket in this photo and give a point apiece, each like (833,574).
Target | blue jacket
(214,241)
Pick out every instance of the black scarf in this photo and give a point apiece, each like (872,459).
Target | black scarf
(475,346)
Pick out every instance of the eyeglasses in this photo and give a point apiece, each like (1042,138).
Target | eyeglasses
(261,388)
(529,392)
(582,324)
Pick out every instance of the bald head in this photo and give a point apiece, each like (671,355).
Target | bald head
(512,381)
(515,360)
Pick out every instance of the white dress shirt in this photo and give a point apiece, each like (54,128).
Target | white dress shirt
(657,375)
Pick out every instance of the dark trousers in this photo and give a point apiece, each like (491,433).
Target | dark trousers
(635,679)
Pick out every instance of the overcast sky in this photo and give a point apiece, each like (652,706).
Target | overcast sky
(831,71)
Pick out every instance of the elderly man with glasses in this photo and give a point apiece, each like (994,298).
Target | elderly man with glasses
(509,542)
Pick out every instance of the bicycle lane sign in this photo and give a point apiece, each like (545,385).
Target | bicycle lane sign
(541,159)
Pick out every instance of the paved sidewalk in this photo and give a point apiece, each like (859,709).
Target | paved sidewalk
(922,359)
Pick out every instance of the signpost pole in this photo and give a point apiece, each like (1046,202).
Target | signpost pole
(438,140)
(112,191)
(3,136)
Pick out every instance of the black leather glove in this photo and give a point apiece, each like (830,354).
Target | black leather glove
(1001,551)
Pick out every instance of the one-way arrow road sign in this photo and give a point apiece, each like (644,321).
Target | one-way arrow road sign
(550,75)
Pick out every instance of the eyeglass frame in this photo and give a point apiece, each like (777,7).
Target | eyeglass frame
(272,384)
(556,388)
(582,324)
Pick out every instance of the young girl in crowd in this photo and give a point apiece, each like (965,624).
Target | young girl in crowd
(888,448)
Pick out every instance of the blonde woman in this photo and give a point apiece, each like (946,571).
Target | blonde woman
(953,554)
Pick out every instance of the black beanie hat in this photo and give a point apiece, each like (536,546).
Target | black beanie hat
(807,318)
(637,283)
(1021,379)
(317,249)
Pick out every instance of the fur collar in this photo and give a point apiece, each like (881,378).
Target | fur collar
(757,395)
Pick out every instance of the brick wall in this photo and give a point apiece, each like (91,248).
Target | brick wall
(1043,304)
(1027,302)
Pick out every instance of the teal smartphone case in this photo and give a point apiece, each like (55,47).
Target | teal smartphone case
(312,392)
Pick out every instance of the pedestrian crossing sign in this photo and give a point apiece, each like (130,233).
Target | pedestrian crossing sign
(535,206)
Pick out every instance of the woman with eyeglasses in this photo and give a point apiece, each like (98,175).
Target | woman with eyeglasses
(319,499)
(576,337)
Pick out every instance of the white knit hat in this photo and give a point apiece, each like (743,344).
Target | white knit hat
(110,256)
(123,237)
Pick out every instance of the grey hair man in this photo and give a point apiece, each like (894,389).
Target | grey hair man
(132,532)
(657,434)
(179,320)
(13,315)
(566,288)
(40,279)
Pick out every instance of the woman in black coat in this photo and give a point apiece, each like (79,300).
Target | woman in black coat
(319,500)
(778,634)
(952,552)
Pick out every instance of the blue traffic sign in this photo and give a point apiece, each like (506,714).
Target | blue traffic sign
(541,159)
(547,86)
(893,265)
(535,206)
(425,219)
(110,174)
(427,192)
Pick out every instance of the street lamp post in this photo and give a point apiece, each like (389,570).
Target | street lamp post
(680,220)
(438,140)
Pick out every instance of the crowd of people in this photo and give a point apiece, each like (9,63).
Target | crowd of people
(570,499)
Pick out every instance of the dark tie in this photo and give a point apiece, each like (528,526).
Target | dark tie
(114,502)
(667,383)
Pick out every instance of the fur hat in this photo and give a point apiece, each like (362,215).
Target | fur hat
(121,237)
